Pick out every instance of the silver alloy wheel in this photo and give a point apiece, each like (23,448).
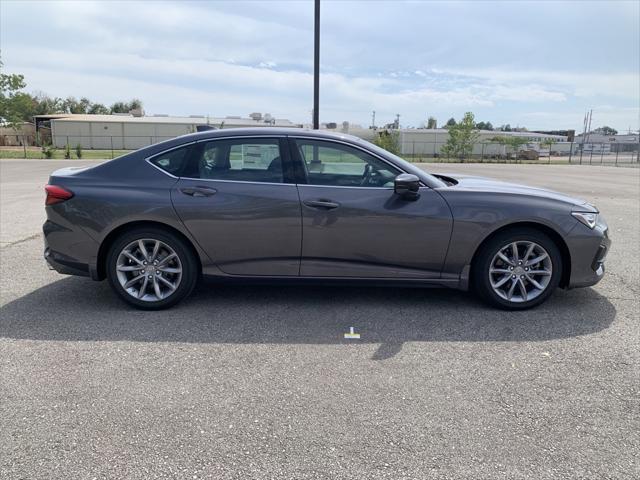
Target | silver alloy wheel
(149,270)
(520,271)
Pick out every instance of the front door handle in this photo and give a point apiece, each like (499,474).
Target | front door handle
(321,204)
(199,191)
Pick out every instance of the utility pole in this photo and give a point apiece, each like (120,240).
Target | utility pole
(316,66)
(373,120)
(397,122)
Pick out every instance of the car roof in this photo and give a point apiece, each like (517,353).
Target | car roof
(262,131)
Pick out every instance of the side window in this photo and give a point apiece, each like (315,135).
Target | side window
(172,161)
(247,160)
(335,164)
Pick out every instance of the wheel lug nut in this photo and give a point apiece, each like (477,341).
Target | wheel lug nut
(510,268)
(526,269)
(513,276)
(521,276)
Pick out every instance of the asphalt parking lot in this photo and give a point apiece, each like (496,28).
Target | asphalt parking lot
(259,382)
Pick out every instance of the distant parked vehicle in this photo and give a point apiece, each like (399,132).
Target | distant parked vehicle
(299,206)
(530,154)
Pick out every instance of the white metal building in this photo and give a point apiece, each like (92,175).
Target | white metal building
(126,132)
(422,141)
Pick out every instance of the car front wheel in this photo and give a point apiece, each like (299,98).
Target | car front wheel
(517,269)
(151,268)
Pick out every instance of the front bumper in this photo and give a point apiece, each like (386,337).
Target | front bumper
(588,249)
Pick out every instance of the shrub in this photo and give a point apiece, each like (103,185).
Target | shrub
(67,152)
(48,150)
(389,140)
(79,151)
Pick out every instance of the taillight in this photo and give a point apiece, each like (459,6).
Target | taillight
(56,194)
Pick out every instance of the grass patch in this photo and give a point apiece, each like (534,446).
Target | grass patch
(36,154)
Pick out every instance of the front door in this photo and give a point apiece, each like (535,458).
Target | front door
(354,225)
(236,200)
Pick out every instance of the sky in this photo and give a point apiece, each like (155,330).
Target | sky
(538,64)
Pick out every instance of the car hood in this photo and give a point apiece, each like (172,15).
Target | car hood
(490,185)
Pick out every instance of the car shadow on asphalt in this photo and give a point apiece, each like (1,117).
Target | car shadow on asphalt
(77,309)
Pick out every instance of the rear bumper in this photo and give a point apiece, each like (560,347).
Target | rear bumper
(65,265)
(68,249)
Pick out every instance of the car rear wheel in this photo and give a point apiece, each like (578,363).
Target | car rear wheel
(517,269)
(151,268)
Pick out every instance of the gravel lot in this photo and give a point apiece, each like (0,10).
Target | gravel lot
(258,382)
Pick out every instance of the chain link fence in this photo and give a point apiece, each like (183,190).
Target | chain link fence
(560,153)
(108,147)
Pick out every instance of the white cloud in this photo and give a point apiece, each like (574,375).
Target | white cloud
(588,84)
(234,57)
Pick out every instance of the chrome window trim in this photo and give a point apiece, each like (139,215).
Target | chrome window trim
(306,137)
(343,186)
(234,181)
(234,137)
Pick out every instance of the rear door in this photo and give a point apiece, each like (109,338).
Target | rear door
(354,225)
(237,198)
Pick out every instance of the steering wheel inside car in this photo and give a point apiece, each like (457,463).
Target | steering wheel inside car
(367,176)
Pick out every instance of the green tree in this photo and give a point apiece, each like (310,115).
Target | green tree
(462,137)
(450,123)
(124,107)
(120,107)
(98,109)
(389,140)
(45,105)
(135,104)
(606,131)
(15,106)
(71,105)
(432,123)
(505,128)
(484,126)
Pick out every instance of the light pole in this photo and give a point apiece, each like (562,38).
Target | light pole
(316,66)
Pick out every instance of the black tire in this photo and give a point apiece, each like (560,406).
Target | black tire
(188,264)
(481,282)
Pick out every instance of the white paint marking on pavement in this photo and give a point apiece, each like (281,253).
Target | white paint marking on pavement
(352,334)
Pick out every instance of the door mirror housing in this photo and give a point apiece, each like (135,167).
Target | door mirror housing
(407,186)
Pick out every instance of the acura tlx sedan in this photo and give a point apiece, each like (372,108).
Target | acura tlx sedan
(291,205)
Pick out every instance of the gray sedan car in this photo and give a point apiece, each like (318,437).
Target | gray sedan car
(280,205)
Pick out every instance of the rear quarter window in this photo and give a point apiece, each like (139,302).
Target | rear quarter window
(172,161)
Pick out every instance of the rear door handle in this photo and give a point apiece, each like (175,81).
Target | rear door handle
(321,204)
(199,191)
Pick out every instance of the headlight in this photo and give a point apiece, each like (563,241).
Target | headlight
(587,218)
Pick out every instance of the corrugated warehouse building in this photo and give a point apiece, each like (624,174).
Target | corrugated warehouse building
(128,132)
(422,141)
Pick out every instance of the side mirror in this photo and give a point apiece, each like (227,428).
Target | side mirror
(407,186)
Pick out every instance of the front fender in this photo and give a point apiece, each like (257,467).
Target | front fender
(477,215)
